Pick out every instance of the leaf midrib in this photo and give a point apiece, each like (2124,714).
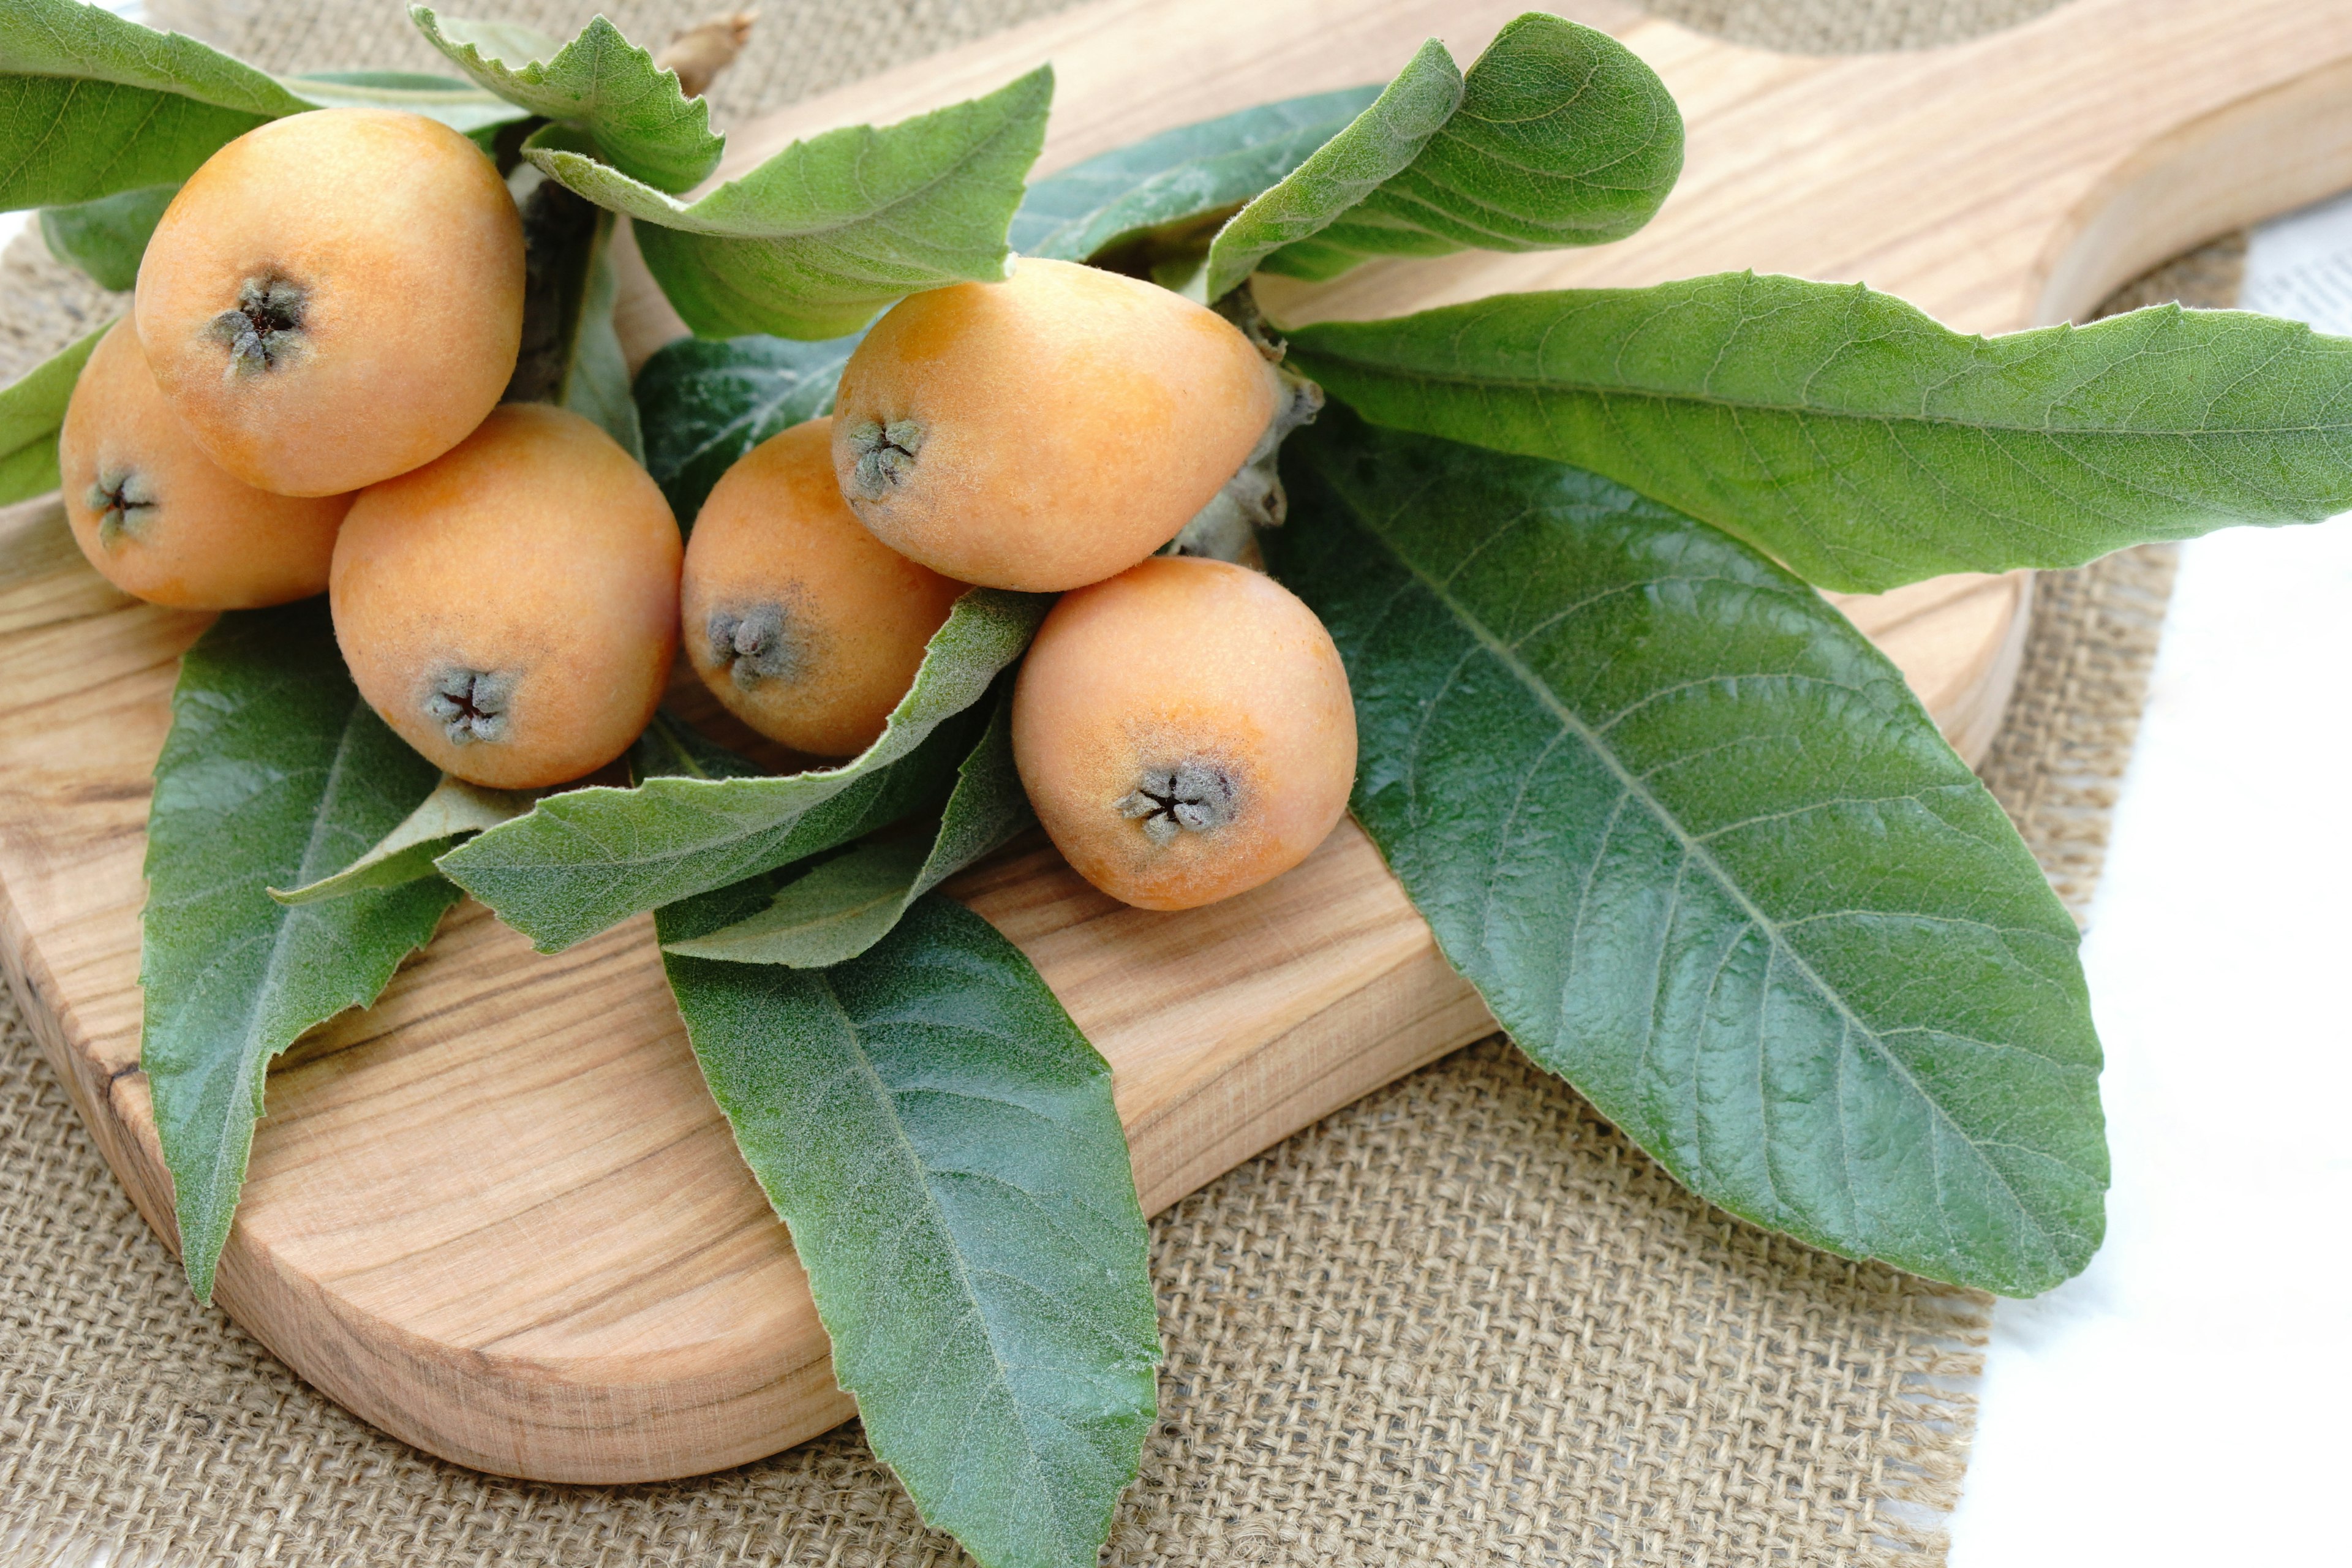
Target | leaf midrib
(1699,854)
(1802,410)
(274,968)
(886,1100)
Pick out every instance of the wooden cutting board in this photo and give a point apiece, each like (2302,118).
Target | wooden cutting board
(499,1216)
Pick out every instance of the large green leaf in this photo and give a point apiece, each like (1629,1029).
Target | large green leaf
(845,905)
(1376,145)
(1174,183)
(1705,856)
(1564,137)
(32,411)
(705,402)
(942,1143)
(1862,444)
(586,859)
(815,241)
(640,120)
(275,771)
(92,104)
(107,237)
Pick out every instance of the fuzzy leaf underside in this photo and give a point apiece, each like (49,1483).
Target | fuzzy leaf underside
(460,105)
(1706,857)
(455,811)
(817,240)
(32,412)
(1564,137)
(595,382)
(274,772)
(1376,145)
(942,1141)
(1178,178)
(1860,443)
(847,904)
(705,402)
(584,860)
(640,119)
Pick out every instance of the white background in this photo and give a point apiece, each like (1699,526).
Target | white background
(2186,1400)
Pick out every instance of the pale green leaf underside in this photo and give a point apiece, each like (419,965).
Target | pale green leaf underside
(274,772)
(1564,137)
(1178,178)
(1861,443)
(942,1144)
(586,859)
(822,237)
(32,411)
(705,402)
(459,105)
(454,811)
(640,119)
(1705,856)
(847,904)
(1376,145)
(595,380)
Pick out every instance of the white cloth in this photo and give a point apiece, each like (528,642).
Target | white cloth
(2184,1401)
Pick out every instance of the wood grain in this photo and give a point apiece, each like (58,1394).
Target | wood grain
(499,1216)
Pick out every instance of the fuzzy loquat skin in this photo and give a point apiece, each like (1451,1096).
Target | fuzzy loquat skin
(806,627)
(510,608)
(334,298)
(1184,731)
(1047,431)
(165,523)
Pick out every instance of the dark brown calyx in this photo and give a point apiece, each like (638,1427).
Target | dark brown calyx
(471,705)
(125,503)
(1191,797)
(885,455)
(264,332)
(754,645)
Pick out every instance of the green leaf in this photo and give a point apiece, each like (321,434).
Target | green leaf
(106,237)
(1705,856)
(455,811)
(1860,443)
(1165,188)
(817,240)
(641,122)
(32,410)
(91,105)
(941,1141)
(586,859)
(274,772)
(849,903)
(1564,137)
(459,105)
(1376,145)
(705,402)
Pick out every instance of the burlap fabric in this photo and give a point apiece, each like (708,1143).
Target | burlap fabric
(1463,1322)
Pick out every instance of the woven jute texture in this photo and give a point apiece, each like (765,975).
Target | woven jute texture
(1461,1322)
